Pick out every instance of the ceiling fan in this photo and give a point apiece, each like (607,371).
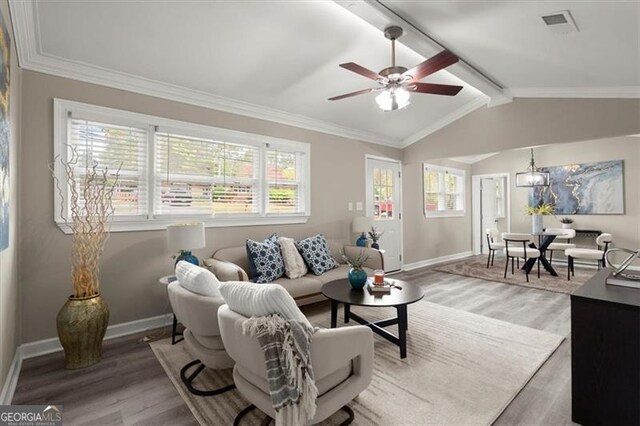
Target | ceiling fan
(396,83)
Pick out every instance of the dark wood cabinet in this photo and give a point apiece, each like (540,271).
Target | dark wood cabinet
(605,353)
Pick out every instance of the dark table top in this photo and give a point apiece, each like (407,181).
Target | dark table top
(341,291)
(597,289)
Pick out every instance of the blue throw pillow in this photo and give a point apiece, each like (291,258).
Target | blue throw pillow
(265,259)
(315,251)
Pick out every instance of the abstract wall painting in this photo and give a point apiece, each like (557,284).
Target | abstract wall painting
(5,189)
(588,188)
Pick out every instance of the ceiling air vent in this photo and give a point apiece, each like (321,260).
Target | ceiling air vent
(560,22)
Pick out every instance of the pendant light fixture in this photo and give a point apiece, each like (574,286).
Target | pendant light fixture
(532,177)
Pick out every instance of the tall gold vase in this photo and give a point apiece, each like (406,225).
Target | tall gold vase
(82,323)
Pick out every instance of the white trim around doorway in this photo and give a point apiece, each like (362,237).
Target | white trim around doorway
(476,218)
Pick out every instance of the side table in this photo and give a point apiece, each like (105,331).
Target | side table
(166,280)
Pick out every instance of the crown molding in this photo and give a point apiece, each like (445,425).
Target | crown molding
(575,92)
(465,109)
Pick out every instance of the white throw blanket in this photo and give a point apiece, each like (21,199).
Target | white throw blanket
(287,355)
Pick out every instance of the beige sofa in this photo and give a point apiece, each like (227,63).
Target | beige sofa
(231,264)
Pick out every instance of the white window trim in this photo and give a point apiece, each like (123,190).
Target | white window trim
(61,110)
(444,213)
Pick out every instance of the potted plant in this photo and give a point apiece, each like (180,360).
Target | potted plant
(357,275)
(375,237)
(82,321)
(566,222)
(537,212)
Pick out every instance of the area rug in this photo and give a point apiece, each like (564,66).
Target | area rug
(461,368)
(476,267)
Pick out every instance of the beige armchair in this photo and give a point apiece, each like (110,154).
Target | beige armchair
(342,361)
(199,315)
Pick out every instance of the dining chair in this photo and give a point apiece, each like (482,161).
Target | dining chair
(513,251)
(598,254)
(565,236)
(493,244)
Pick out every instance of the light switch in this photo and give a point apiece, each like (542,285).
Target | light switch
(359,206)
(350,206)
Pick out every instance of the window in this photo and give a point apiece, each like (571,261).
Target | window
(383,194)
(171,170)
(444,191)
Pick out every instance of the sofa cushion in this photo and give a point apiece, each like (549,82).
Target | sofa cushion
(339,273)
(197,280)
(253,300)
(315,251)
(301,287)
(265,259)
(294,266)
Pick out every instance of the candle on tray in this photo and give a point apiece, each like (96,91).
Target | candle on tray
(378,277)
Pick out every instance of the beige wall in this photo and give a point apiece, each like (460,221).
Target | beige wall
(133,261)
(522,123)
(625,228)
(433,237)
(9,294)
(529,122)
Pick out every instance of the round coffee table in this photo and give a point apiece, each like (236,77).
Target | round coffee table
(403,294)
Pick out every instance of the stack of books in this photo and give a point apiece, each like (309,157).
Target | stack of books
(379,288)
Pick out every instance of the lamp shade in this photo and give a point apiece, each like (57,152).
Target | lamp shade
(185,236)
(361,224)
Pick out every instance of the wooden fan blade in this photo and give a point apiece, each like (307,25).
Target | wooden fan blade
(348,95)
(431,65)
(358,69)
(435,89)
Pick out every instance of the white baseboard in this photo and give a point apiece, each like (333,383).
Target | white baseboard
(12,379)
(47,346)
(436,260)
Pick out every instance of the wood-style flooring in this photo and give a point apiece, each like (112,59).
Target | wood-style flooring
(130,387)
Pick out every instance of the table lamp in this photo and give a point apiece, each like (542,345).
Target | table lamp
(184,237)
(361,225)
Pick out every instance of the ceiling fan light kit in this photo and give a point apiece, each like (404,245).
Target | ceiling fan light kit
(396,83)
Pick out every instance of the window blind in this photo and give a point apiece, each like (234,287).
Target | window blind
(197,176)
(284,172)
(111,147)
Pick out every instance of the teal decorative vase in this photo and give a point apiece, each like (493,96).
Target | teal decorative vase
(187,257)
(357,278)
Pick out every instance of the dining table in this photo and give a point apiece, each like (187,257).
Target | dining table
(544,239)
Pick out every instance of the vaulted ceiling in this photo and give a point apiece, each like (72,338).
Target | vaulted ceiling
(279,60)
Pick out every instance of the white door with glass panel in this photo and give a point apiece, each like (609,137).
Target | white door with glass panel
(383,205)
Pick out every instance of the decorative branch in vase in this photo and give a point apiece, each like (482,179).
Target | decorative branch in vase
(375,237)
(83,320)
(357,276)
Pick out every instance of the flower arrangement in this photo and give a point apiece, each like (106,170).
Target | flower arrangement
(542,208)
(374,234)
(356,263)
